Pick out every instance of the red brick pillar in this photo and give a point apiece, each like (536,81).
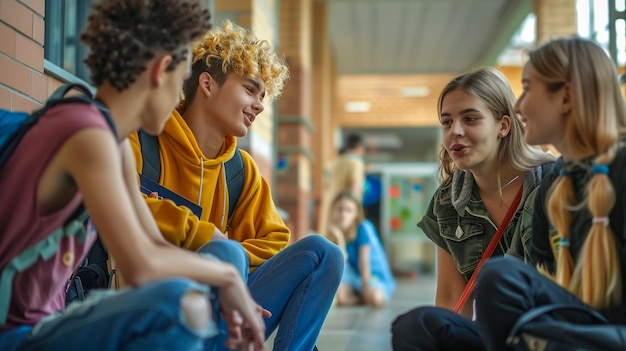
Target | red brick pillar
(322,144)
(294,116)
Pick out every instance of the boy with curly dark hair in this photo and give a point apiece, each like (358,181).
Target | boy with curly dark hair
(139,58)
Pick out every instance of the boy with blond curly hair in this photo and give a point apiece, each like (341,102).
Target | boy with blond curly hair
(233,75)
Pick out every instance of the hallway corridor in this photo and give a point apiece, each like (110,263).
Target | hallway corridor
(365,329)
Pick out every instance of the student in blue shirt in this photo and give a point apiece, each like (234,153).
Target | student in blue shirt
(367,277)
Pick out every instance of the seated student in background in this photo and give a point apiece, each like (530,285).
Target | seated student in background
(367,278)
(572,100)
(484,163)
(233,75)
(75,155)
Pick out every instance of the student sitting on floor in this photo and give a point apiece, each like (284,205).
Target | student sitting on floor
(367,277)
(75,155)
(234,75)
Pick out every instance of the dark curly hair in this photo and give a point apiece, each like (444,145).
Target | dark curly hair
(124,35)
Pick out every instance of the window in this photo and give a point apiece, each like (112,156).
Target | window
(594,22)
(64,54)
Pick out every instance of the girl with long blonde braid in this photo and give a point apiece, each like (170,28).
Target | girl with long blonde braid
(572,100)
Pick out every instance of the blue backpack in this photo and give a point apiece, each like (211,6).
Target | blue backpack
(13,126)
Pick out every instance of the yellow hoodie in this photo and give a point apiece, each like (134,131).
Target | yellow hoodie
(185,170)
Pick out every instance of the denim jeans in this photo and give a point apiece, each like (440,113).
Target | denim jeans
(298,286)
(434,328)
(232,252)
(229,251)
(146,318)
(506,287)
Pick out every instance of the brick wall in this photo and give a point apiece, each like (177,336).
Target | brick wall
(23,84)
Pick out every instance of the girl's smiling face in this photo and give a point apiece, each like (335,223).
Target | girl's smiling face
(540,110)
(471,133)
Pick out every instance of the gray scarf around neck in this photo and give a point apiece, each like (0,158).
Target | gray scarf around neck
(462,185)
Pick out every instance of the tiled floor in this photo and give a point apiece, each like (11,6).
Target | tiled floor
(367,329)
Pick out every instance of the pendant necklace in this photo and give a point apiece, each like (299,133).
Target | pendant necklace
(499,191)
(505,185)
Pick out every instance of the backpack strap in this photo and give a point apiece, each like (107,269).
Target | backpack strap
(60,92)
(234,169)
(150,155)
(235,176)
(11,141)
(45,248)
(58,96)
(543,310)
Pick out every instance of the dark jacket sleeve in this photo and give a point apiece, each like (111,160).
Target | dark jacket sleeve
(540,250)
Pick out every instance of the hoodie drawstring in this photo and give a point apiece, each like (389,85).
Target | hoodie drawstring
(201,180)
(225,189)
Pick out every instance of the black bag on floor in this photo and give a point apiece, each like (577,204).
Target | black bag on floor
(538,330)
(92,274)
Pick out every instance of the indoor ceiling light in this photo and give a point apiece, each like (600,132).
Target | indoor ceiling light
(358,106)
(419,91)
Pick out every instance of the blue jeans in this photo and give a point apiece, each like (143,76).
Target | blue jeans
(506,288)
(232,252)
(229,251)
(298,286)
(434,328)
(146,318)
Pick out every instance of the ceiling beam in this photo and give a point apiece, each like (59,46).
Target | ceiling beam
(512,18)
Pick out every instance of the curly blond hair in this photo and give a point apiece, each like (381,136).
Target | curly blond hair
(232,49)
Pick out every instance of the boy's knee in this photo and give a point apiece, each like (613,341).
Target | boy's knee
(229,251)
(314,240)
(332,251)
(322,247)
(233,247)
(196,311)
(223,247)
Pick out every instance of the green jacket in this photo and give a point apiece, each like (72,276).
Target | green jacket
(463,227)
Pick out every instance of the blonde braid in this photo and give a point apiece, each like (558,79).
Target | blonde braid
(560,203)
(597,277)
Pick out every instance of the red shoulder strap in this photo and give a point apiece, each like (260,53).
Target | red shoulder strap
(489,250)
